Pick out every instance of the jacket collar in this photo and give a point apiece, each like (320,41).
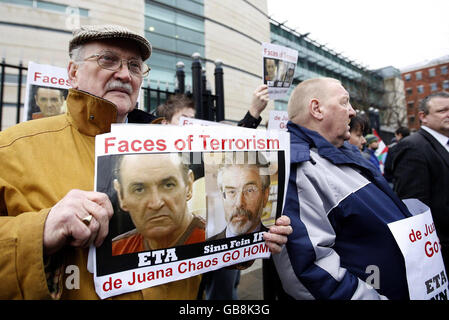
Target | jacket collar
(303,139)
(90,114)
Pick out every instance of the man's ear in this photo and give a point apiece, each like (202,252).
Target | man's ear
(316,109)
(72,70)
(190,180)
(422,117)
(117,188)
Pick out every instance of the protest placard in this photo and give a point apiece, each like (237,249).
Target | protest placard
(178,195)
(421,248)
(46,91)
(278,120)
(186,121)
(279,64)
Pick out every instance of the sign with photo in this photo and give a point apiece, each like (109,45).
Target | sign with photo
(187,200)
(279,64)
(46,91)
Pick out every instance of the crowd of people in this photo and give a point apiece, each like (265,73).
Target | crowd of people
(335,218)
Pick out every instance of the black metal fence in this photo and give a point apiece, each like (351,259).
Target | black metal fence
(208,106)
(17,74)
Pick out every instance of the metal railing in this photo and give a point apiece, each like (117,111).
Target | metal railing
(208,106)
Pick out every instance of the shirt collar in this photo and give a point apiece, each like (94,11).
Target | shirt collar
(441,138)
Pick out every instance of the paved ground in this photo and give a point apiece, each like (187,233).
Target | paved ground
(250,287)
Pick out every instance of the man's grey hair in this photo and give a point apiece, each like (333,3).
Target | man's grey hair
(245,159)
(424,105)
(77,53)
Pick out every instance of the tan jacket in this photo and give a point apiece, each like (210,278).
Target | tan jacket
(40,161)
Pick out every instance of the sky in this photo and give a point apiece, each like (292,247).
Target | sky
(373,33)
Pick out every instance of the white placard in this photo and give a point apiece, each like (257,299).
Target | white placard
(124,262)
(279,64)
(278,120)
(420,246)
(53,84)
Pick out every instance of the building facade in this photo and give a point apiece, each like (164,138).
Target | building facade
(420,80)
(395,115)
(316,60)
(230,31)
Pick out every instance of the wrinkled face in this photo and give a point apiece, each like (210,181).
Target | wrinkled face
(356,138)
(438,116)
(119,87)
(153,190)
(50,101)
(184,112)
(337,113)
(243,197)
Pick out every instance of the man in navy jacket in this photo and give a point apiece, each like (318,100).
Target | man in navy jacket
(339,205)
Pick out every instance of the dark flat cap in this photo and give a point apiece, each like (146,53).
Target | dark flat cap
(86,34)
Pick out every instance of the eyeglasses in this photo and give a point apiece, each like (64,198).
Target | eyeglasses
(249,192)
(111,61)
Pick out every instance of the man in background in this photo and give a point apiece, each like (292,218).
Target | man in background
(372,143)
(399,134)
(421,164)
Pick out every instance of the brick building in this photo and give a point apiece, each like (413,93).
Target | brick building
(420,80)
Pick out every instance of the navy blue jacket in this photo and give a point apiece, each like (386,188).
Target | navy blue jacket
(339,205)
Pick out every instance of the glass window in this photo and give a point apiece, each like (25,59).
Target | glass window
(446,84)
(190,22)
(189,48)
(420,89)
(51,6)
(28,3)
(160,13)
(45,5)
(162,75)
(432,72)
(191,6)
(160,27)
(408,77)
(84,12)
(409,91)
(433,87)
(444,70)
(189,35)
(418,75)
(163,60)
(169,2)
(161,42)
(410,104)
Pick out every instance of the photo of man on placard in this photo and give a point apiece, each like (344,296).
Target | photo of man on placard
(243,194)
(270,70)
(154,190)
(46,102)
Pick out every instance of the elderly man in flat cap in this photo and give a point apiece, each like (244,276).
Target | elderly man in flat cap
(49,215)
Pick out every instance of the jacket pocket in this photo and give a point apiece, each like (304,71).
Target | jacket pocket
(9,284)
